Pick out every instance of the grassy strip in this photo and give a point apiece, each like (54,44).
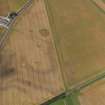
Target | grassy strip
(72,99)
(91,81)
(63,99)
(59,102)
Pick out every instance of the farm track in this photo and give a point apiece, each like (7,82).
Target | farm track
(30,72)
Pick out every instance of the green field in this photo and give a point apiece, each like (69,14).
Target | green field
(79,33)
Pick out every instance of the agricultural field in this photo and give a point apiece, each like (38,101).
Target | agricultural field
(10,6)
(29,68)
(94,94)
(79,33)
(53,46)
(7,6)
(2,30)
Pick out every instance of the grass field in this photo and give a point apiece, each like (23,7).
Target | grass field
(29,68)
(79,33)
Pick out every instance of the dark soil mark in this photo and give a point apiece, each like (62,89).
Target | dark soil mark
(7,63)
(5,72)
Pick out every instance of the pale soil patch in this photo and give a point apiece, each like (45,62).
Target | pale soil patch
(94,94)
(7,6)
(29,67)
(100,3)
(3,9)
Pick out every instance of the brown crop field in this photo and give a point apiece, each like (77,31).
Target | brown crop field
(7,6)
(94,94)
(79,34)
(29,69)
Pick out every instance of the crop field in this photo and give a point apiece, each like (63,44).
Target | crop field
(79,33)
(7,6)
(54,44)
(2,30)
(29,68)
(94,94)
